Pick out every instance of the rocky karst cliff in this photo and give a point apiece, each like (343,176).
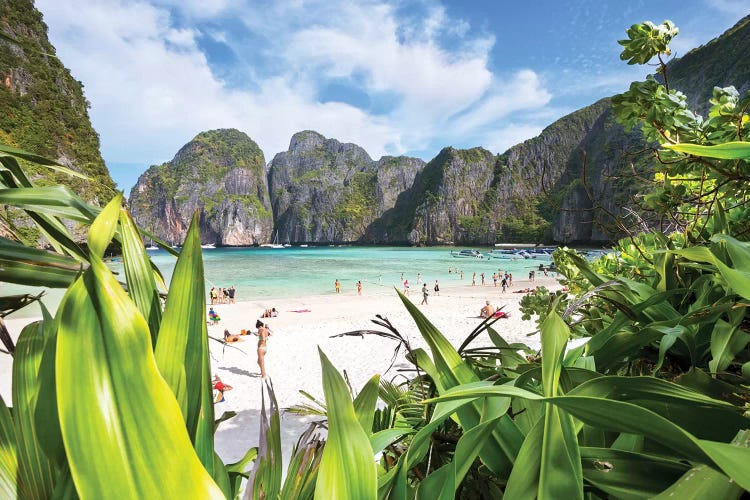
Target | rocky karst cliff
(326,191)
(43,107)
(563,185)
(221,174)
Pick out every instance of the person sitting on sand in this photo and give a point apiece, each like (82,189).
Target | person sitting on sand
(221,388)
(270,313)
(487,310)
(212,316)
(229,338)
(263,333)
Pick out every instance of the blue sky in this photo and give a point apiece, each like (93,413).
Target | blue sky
(396,77)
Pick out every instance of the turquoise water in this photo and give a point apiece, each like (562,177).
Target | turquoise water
(259,273)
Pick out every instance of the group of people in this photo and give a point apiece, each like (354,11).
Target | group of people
(263,332)
(222,295)
(425,289)
(337,286)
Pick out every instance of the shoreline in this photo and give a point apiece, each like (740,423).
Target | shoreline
(306,323)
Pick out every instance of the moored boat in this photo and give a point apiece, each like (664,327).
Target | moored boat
(471,254)
(508,254)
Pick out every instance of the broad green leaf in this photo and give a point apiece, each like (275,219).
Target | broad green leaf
(182,343)
(737,150)
(386,437)
(347,468)
(139,275)
(46,418)
(40,160)
(555,334)
(726,341)
(738,280)
(619,416)
(36,474)
(364,403)
(55,201)
(104,226)
(450,371)
(108,385)
(625,474)
(302,472)
(698,483)
(8,457)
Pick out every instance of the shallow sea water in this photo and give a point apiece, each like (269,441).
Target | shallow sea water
(259,273)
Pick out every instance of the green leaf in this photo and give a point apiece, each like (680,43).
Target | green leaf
(36,474)
(104,226)
(40,160)
(624,474)
(139,275)
(736,150)
(726,341)
(450,371)
(698,483)
(107,398)
(347,469)
(265,480)
(364,403)
(8,457)
(386,437)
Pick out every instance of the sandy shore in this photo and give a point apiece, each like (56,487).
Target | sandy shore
(292,360)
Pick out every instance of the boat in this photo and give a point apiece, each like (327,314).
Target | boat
(509,254)
(208,245)
(303,246)
(275,243)
(151,246)
(541,253)
(471,254)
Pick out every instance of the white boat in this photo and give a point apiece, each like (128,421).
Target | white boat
(470,254)
(541,254)
(275,243)
(151,246)
(509,254)
(208,245)
(303,246)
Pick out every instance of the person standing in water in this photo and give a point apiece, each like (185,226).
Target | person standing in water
(338,286)
(359,288)
(263,333)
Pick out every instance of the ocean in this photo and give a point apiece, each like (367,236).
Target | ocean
(259,273)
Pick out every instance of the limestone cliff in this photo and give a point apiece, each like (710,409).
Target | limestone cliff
(326,191)
(43,108)
(221,174)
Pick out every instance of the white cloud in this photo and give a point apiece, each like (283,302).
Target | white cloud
(152,88)
(499,140)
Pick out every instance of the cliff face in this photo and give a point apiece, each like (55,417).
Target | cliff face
(43,107)
(325,191)
(221,174)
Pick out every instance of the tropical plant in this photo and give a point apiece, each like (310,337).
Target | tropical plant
(111,396)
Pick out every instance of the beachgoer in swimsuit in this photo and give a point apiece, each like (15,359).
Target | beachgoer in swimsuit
(406,287)
(221,388)
(212,316)
(437,288)
(232,292)
(487,310)
(338,286)
(213,295)
(474,279)
(263,333)
(482,279)
(359,287)
(228,337)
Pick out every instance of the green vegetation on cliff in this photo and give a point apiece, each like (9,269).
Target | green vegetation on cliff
(43,107)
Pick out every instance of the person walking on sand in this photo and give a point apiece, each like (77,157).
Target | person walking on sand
(425,294)
(337,285)
(437,288)
(504,283)
(406,287)
(359,287)
(474,279)
(263,333)
(482,275)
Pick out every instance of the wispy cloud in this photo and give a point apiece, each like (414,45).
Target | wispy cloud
(152,87)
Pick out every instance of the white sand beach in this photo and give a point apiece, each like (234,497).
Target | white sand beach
(292,360)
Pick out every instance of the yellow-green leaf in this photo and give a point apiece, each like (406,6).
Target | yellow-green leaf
(347,469)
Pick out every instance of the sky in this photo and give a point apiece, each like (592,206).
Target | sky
(396,77)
